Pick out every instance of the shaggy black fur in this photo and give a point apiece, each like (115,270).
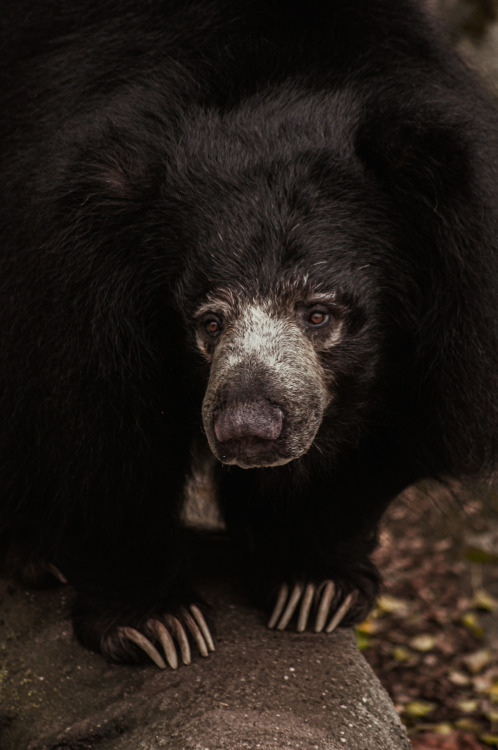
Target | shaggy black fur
(152,152)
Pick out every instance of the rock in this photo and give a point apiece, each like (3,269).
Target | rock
(260,689)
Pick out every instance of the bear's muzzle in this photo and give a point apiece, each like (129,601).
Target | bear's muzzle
(248,429)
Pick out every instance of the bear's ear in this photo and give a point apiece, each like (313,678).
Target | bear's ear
(113,177)
(103,164)
(415,161)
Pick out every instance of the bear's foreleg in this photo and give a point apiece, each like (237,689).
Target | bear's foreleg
(308,543)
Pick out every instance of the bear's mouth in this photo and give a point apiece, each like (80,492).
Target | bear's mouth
(251,452)
(248,446)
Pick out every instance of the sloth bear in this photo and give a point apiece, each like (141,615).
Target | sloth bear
(264,229)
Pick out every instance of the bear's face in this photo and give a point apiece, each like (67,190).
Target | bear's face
(268,388)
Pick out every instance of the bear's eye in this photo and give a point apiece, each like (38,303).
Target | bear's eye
(317,318)
(212,326)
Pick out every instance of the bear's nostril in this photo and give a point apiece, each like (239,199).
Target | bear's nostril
(248,421)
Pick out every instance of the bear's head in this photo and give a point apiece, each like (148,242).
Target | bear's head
(290,270)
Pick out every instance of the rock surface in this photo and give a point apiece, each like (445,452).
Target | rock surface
(260,689)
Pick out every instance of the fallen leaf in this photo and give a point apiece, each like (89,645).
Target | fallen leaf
(400,653)
(419,708)
(478,660)
(483,600)
(458,678)
(471,622)
(480,555)
(490,739)
(362,639)
(393,605)
(423,642)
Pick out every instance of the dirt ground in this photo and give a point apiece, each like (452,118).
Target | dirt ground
(433,637)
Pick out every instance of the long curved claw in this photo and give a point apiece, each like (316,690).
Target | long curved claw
(172,635)
(304,612)
(54,570)
(287,604)
(279,605)
(199,618)
(195,632)
(324,606)
(176,628)
(142,642)
(295,596)
(341,612)
(166,641)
